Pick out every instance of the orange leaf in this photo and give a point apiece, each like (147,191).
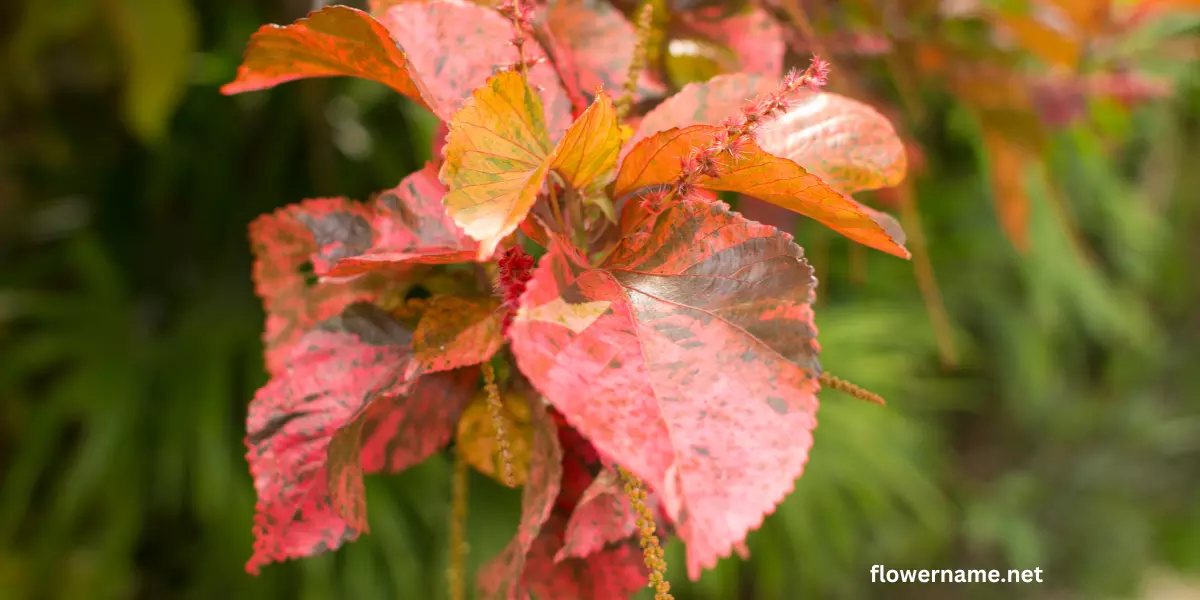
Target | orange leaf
(590,147)
(336,40)
(656,161)
(1007,162)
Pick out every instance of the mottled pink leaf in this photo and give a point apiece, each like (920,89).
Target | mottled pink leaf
(406,225)
(393,432)
(616,572)
(602,516)
(696,348)
(285,253)
(597,42)
(332,372)
(501,578)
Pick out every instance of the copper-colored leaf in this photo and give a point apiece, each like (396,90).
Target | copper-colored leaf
(457,332)
(695,345)
(433,52)
(656,161)
(336,40)
(330,374)
(500,578)
(406,225)
(286,251)
(478,441)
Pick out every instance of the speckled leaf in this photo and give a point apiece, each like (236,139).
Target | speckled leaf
(495,160)
(603,516)
(336,40)
(457,332)
(598,42)
(395,431)
(477,440)
(456,46)
(285,252)
(616,572)
(406,225)
(331,373)
(696,346)
(755,38)
(656,161)
(500,578)
(846,143)
(433,52)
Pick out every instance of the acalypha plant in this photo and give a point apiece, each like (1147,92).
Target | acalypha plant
(561,293)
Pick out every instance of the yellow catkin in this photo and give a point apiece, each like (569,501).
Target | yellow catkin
(645,26)
(456,574)
(841,385)
(651,549)
(495,408)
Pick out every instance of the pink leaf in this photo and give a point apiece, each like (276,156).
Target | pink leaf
(331,374)
(695,347)
(284,247)
(407,225)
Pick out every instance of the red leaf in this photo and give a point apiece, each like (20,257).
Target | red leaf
(407,225)
(613,573)
(753,36)
(690,358)
(501,577)
(457,332)
(435,53)
(657,161)
(392,433)
(284,244)
(598,42)
(333,371)
(602,516)
(846,143)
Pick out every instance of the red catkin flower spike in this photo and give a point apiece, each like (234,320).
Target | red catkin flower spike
(738,130)
(516,268)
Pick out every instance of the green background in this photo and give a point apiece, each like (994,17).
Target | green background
(1067,439)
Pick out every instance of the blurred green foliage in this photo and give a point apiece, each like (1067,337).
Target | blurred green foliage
(1067,440)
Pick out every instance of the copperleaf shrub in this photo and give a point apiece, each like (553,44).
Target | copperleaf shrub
(561,293)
